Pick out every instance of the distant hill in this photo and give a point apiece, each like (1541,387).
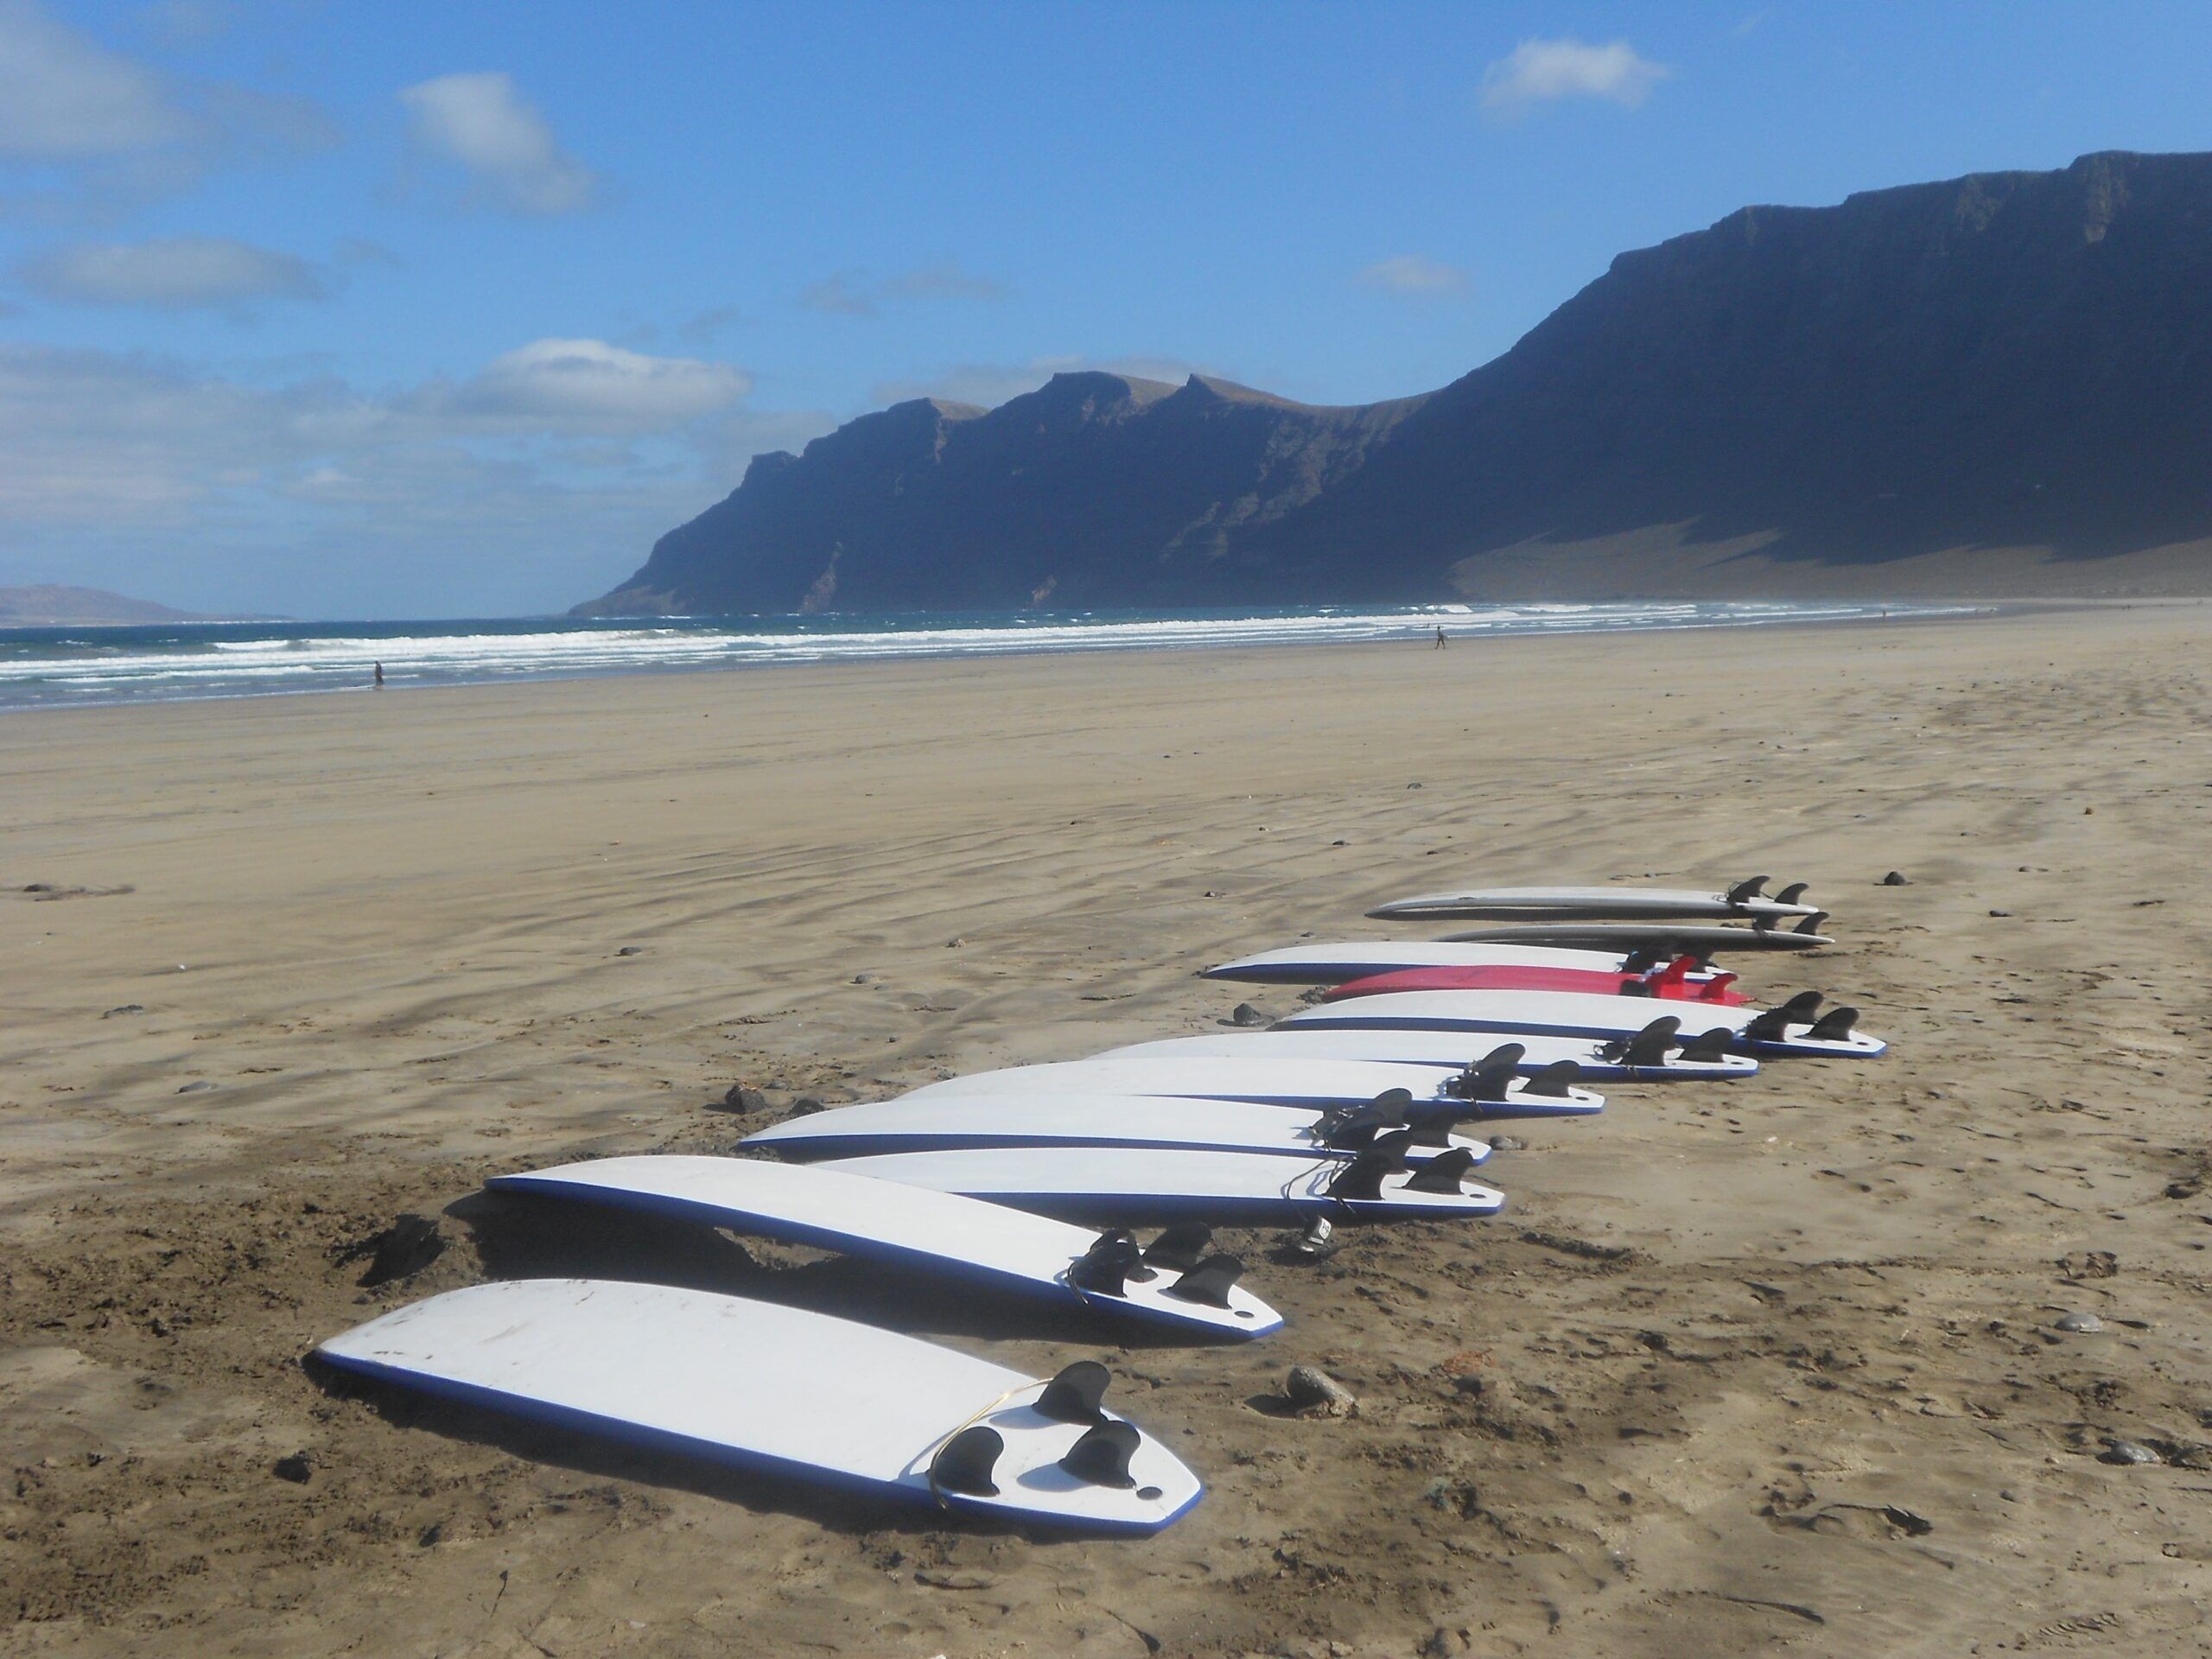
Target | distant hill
(50,606)
(2001,384)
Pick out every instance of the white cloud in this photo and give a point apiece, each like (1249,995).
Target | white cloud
(1542,71)
(175,273)
(849,295)
(483,124)
(1410,273)
(63,96)
(588,385)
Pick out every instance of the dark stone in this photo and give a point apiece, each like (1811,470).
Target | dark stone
(631,950)
(127,1007)
(742,1099)
(807,1105)
(199,1087)
(2001,913)
(1896,879)
(1245,1015)
(297,1468)
(1315,1392)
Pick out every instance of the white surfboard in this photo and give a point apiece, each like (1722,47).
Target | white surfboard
(1706,940)
(783,1392)
(1397,1049)
(1337,962)
(953,1122)
(1287,1080)
(1590,904)
(1220,1188)
(933,1233)
(1790,1029)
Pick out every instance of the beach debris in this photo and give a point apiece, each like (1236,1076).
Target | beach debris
(1314,1392)
(297,1468)
(1245,1015)
(741,1098)
(2078,1324)
(631,950)
(400,1251)
(1318,1240)
(2127,1452)
(1508,1143)
(199,1087)
(954,943)
(2089,1264)
(126,1008)
(946,1578)
(1413,785)
(2001,913)
(1896,879)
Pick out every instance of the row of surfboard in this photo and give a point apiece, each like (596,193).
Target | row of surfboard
(1030,1181)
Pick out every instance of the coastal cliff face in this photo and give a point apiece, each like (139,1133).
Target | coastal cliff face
(1793,400)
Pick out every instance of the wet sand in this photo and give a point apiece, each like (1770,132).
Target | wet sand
(1746,1368)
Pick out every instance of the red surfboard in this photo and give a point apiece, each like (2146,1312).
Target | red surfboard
(1671,983)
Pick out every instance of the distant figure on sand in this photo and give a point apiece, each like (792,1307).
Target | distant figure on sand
(379,676)
(1439,636)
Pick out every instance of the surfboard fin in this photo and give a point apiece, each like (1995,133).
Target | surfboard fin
(1441,1175)
(1642,957)
(1108,1265)
(1800,1007)
(1647,1047)
(1744,890)
(1209,1283)
(1834,1026)
(1637,988)
(1363,1177)
(1073,1395)
(1707,1046)
(1101,1457)
(1180,1247)
(1485,1080)
(1792,894)
(1812,922)
(1553,1080)
(963,1464)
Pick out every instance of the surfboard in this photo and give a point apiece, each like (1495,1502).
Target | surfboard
(932,1233)
(952,1122)
(1287,1080)
(1656,1061)
(785,1392)
(1668,984)
(1334,962)
(1221,1188)
(1590,904)
(1790,1029)
(1679,938)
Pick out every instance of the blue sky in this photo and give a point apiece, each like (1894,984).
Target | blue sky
(344,309)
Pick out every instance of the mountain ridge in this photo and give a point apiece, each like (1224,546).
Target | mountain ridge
(2015,363)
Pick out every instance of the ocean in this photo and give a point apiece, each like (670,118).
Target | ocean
(43,668)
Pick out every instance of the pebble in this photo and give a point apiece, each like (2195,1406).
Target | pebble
(631,950)
(1507,1143)
(199,1087)
(742,1099)
(1896,879)
(295,1468)
(807,1105)
(1245,1015)
(1315,1393)
(127,1007)
(2001,913)
(2080,1324)
(2127,1452)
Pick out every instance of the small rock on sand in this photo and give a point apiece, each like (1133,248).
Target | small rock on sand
(2079,1324)
(2117,1451)
(2001,913)
(1245,1015)
(127,1007)
(199,1087)
(742,1099)
(296,1468)
(1507,1143)
(631,950)
(1896,879)
(1314,1392)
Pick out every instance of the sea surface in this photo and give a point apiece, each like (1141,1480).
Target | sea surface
(78,667)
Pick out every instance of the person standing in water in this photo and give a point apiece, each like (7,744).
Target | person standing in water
(380,674)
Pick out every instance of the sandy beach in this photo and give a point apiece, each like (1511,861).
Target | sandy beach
(1765,1367)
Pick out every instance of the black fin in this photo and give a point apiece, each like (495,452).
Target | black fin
(1767,1026)
(1800,1008)
(1073,1395)
(963,1464)
(1553,1080)
(1363,1177)
(1392,1102)
(1709,1045)
(1648,1046)
(1490,1081)
(1635,988)
(1435,1119)
(1441,1175)
(1179,1248)
(1210,1283)
(1503,1054)
(1349,1126)
(1812,922)
(1101,1457)
(1834,1025)
(1794,894)
(1744,890)
(1106,1266)
(1644,956)
(1766,922)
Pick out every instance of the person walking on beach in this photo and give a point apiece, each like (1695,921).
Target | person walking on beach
(379,676)
(1439,636)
